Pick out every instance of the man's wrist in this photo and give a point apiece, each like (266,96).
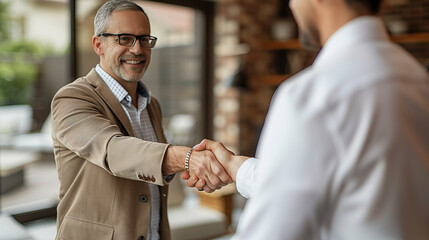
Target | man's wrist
(188,155)
(173,159)
(236,163)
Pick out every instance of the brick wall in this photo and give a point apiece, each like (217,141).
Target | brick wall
(241,26)
(240,109)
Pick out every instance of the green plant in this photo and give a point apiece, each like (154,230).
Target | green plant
(24,47)
(16,79)
(4,20)
(18,63)
(18,71)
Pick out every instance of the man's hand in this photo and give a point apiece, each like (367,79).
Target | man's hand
(228,159)
(202,165)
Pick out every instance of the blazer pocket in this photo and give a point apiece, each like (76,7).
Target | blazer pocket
(76,229)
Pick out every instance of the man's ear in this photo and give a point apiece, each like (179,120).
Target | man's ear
(97,44)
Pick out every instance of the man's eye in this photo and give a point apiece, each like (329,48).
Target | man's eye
(125,39)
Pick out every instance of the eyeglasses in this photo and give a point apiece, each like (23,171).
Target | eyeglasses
(129,40)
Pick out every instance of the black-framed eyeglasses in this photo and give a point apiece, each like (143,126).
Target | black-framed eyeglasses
(129,40)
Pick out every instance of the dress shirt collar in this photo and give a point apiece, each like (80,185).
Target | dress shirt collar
(358,31)
(118,91)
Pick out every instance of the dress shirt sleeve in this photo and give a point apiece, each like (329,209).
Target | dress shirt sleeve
(246,176)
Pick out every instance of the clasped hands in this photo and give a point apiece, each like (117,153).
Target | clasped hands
(216,174)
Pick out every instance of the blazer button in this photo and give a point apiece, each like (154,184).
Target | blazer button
(141,238)
(143,198)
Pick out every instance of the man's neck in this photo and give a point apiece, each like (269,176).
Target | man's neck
(333,17)
(131,87)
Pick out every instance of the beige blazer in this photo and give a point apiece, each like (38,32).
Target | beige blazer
(103,170)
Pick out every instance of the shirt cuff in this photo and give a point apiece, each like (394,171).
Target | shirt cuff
(245,177)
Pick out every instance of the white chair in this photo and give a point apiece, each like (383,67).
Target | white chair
(14,119)
(37,142)
(12,164)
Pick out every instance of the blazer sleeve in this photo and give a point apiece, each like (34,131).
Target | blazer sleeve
(82,123)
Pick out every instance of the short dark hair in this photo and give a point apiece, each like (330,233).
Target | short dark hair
(372,6)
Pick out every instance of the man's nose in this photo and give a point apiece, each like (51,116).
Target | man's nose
(137,49)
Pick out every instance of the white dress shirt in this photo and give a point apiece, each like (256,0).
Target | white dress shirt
(344,153)
(143,129)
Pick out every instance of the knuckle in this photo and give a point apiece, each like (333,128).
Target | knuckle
(197,172)
(217,182)
(218,171)
(210,185)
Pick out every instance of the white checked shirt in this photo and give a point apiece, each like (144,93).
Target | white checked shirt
(143,129)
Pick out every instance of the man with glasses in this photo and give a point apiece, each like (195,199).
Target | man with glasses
(112,159)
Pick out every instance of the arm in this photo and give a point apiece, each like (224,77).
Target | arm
(84,124)
(85,129)
(296,165)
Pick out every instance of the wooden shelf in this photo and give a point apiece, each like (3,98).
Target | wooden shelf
(282,45)
(275,79)
(411,38)
(294,44)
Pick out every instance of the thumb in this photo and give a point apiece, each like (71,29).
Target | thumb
(200,146)
(185,175)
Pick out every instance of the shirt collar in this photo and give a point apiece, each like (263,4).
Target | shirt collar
(358,31)
(118,91)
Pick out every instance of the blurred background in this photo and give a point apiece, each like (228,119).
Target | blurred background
(215,68)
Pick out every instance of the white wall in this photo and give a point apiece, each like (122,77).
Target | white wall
(43,22)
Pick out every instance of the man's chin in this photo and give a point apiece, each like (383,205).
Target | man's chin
(132,77)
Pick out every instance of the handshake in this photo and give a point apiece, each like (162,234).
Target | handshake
(212,166)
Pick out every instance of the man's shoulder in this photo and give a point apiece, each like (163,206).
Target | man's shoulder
(80,85)
(75,88)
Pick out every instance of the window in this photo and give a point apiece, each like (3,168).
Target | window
(179,73)
(33,66)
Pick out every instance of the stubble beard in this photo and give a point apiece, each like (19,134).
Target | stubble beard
(120,73)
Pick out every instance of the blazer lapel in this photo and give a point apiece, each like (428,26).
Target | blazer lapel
(111,101)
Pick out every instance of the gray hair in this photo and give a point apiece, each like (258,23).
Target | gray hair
(101,20)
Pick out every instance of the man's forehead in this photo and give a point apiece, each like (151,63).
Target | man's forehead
(129,19)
